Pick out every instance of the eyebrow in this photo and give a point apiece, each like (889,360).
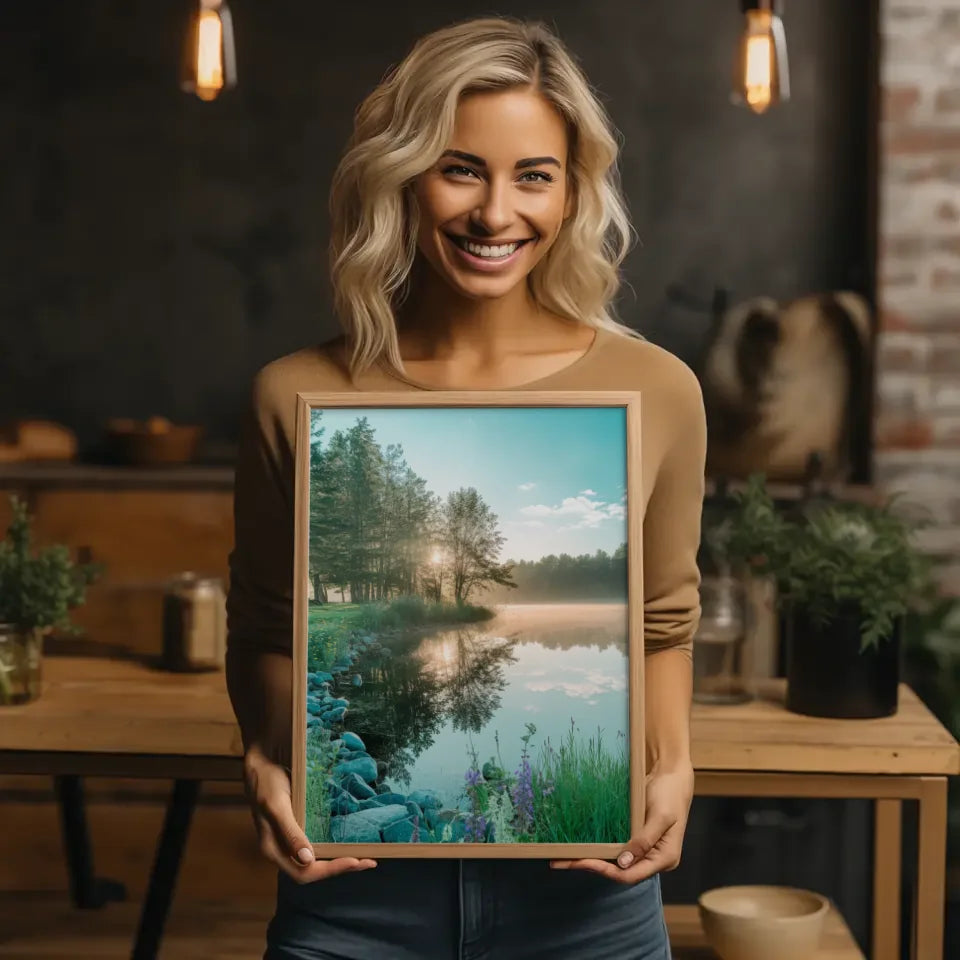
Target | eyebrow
(519,165)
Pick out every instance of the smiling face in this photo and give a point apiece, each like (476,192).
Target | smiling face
(493,204)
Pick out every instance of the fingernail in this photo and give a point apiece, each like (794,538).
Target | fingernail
(305,855)
(626,858)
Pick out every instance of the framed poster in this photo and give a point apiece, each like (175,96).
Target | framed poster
(468,624)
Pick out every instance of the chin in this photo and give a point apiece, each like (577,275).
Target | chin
(492,289)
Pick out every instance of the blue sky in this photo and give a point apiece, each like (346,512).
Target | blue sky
(555,477)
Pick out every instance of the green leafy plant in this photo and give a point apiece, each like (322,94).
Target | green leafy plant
(828,556)
(38,589)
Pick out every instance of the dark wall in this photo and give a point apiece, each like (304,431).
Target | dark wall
(156,250)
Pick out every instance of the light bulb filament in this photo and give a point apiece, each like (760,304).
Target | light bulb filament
(209,55)
(759,71)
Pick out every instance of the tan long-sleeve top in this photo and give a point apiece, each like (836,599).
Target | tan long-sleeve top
(673,445)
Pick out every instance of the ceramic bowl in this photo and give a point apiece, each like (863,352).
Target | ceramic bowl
(763,922)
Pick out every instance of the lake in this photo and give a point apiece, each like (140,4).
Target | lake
(440,694)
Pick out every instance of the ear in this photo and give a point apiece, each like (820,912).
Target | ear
(858,313)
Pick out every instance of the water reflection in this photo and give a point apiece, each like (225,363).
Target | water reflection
(470,667)
(440,689)
(581,682)
(419,684)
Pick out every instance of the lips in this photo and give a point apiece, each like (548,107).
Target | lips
(476,262)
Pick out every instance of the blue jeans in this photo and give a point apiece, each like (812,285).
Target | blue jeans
(467,910)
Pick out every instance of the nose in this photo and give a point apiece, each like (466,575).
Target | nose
(494,214)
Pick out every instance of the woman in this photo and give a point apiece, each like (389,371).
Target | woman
(477,233)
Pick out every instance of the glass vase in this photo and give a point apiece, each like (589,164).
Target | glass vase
(20,664)
(719,668)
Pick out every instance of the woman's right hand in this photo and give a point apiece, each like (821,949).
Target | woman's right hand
(267,786)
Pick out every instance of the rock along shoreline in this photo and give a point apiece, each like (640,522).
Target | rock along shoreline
(363,808)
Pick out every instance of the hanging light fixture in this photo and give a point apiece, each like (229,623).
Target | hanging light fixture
(210,60)
(761,76)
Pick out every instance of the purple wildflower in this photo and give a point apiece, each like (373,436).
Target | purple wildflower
(522,796)
(475,823)
(475,828)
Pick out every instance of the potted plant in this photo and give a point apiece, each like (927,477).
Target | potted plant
(37,592)
(847,573)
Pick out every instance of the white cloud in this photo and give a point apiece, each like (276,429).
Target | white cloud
(581,511)
(588,493)
(526,486)
(590,684)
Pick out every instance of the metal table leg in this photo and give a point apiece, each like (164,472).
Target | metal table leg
(163,877)
(87,891)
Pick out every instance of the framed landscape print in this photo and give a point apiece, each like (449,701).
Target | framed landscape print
(468,624)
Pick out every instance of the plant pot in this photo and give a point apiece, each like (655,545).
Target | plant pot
(21,656)
(829,675)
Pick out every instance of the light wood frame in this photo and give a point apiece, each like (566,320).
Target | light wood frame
(627,400)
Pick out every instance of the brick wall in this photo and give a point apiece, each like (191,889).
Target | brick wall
(917,429)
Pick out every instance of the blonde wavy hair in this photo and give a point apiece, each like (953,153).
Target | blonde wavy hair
(402,128)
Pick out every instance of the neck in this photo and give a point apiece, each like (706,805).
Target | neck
(438,324)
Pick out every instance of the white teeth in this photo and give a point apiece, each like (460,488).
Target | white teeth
(482,250)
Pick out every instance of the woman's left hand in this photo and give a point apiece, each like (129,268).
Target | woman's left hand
(658,845)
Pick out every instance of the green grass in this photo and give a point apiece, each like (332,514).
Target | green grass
(414,611)
(320,762)
(580,793)
(590,800)
(333,613)
(329,633)
(330,625)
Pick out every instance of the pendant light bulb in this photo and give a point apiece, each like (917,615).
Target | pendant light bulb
(210,57)
(761,76)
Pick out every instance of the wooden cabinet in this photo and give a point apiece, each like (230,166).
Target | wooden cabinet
(142,526)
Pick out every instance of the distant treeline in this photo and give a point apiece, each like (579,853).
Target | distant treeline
(566,579)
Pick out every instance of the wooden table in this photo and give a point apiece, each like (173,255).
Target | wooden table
(759,749)
(102,717)
(121,718)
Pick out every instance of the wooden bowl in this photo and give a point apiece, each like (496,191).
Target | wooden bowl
(763,922)
(153,442)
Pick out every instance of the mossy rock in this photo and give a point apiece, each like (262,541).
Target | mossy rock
(491,771)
